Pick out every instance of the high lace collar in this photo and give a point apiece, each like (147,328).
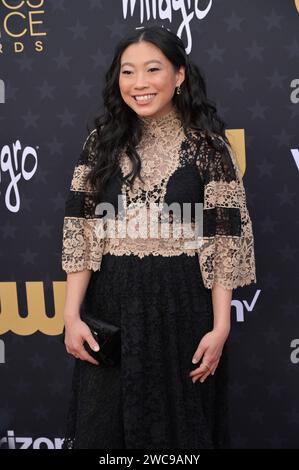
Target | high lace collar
(169,124)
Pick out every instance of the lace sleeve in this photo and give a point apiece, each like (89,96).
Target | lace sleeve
(226,255)
(81,247)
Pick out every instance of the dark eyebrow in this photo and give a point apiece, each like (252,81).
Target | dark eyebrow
(145,63)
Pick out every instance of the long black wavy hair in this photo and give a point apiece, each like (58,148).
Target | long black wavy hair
(119,128)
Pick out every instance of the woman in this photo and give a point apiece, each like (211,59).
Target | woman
(159,142)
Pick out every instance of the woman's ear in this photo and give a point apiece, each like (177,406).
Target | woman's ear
(180,75)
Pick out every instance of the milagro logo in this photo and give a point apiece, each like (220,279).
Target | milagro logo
(10,441)
(18,163)
(19,20)
(149,9)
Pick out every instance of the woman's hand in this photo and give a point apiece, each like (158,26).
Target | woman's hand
(209,350)
(76,332)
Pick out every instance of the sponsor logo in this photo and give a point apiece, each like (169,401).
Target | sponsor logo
(295,153)
(242,306)
(22,25)
(10,441)
(2,92)
(37,318)
(294,357)
(168,10)
(2,352)
(294,96)
(18,163)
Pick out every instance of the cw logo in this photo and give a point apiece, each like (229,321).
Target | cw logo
(37,319)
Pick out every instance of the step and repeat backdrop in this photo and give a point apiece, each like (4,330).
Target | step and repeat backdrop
(53,57)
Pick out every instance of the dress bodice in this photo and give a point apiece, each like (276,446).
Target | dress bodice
(190,199)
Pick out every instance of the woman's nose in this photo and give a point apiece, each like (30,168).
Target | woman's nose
(140,80)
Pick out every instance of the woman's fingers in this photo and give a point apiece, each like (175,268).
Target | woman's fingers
(92,342)
(201,378)
(202,369)
(198,354)
(84,356)
(202,374)
(215,367)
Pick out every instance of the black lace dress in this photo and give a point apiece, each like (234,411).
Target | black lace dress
(158,289)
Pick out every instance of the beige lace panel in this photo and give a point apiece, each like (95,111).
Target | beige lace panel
(84,164)
(222,194)
(160,158)
(79,178)
(82,248)
(142,247)
(228,260)
(143,237)
(225,260)
(159,151)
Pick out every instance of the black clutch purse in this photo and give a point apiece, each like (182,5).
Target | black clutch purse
(108,338)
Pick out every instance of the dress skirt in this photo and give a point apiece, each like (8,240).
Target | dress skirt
(149,401)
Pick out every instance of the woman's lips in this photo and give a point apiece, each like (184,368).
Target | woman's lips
(144,101)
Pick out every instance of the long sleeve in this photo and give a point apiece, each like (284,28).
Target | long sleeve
(81,247)
(226,255)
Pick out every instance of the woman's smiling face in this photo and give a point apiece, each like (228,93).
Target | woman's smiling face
(147,79)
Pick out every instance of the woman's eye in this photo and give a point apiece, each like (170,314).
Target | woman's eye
(129,72)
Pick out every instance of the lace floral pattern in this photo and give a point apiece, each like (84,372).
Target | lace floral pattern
(226,248)
(227,254)
(158,290)
(151,403)
(82,248)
